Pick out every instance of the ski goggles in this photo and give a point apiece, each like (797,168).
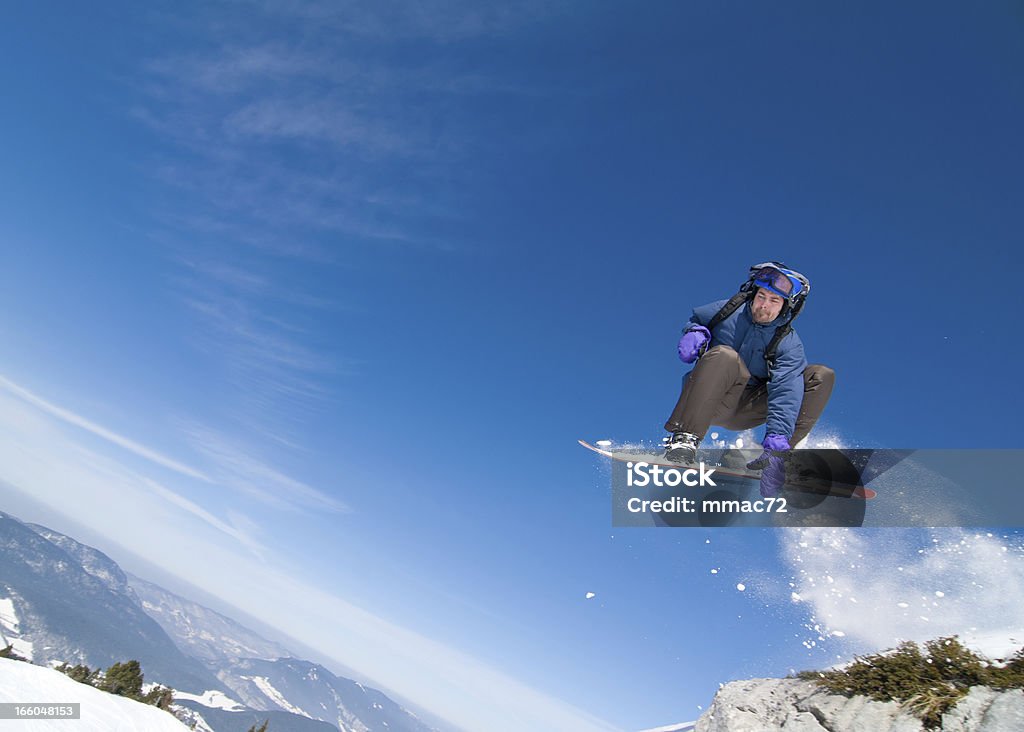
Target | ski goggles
(783,282)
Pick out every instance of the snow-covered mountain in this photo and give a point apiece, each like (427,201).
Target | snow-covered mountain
(93,561)
(263,675)
(311,690)
(199,631)
(63,601)
(68,614)
(100,712)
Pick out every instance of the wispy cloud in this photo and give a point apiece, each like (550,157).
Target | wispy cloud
(232,465)
(243,537)
(232,277)
(77,420)
(270,174)
(317,135)
(49,465)
(238,468)
(442,21)
(315,121)
(275,380)
(235,69)
(267,343)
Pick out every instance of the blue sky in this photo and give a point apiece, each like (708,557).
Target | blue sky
(324,293)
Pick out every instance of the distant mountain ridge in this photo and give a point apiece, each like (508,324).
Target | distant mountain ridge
(93,561)
(75,604)
(264,675)
(310,689)
(72,615)
(200,632)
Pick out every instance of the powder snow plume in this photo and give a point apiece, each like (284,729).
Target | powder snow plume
(873,588)
(869,589)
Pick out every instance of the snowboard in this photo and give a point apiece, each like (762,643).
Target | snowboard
(817,472)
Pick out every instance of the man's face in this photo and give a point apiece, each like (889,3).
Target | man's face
(766,306)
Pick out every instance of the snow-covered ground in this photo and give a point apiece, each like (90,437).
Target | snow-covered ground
(10,629)
(212,699)
(274,695)
(101,712)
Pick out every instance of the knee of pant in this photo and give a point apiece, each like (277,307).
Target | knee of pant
(726,352)
(725,358)
(820,373)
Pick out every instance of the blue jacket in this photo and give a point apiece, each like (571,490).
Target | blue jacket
(749,340)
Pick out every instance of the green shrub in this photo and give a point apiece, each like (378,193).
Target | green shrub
(926,682)
(81,674)
(123,679)
(930,704)
(159,696)
(1010,676)
(957,664)
(9,652)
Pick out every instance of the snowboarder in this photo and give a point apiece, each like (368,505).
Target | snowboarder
(750,371)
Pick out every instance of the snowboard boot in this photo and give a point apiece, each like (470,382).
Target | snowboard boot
(681,447)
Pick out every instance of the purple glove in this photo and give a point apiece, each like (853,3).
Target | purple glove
(778,443)
(771,464)
(692,344)
(773,477)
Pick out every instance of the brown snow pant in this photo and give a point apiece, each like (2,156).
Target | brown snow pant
(716,392)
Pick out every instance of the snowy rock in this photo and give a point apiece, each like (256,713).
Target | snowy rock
(986,710)
(792,705)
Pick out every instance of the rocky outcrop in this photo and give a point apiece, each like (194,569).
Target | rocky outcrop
(986,710)
(791,705)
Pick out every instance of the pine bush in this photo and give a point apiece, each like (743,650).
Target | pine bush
(926,682)
(123,679)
